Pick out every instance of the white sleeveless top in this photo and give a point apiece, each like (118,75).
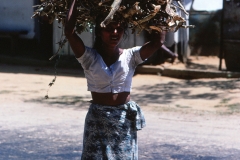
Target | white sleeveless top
(116,78)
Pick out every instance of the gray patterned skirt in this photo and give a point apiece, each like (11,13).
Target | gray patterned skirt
(110,132)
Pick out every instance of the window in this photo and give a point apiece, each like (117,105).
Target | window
(207,5)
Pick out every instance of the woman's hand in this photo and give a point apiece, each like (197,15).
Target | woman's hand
(74,40)
(174,57)
(158,37)
(156,41)
(71,19)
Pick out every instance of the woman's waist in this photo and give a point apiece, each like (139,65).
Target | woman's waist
(110,99)
(130,110)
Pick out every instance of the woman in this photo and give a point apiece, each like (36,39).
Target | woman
(112,120)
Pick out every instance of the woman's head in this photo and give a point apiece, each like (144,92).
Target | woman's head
(112,34)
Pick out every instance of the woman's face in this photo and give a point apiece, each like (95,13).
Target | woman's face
(112,34)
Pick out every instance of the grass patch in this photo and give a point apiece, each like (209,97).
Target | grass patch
(179,106)
(5,92)
(234,107)
(224,101)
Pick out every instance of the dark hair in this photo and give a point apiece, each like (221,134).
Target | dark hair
(99,19)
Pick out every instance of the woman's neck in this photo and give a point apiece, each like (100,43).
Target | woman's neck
(109,51)
(110,55)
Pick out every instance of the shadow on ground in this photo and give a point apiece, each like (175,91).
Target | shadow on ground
(192,65)
(169,92)
(43,70)
(58,144)
(42,142)
(187,152)
(74,102)
(164,93)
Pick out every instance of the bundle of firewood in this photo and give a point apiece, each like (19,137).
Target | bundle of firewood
(149,15)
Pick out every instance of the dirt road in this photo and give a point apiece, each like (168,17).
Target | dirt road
(186,119)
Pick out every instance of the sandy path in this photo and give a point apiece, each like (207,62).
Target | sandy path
(197,119)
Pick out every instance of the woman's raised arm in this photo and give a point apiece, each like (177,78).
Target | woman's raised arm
(157,40)
(74,40)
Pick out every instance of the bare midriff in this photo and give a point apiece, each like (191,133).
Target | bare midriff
(110,99)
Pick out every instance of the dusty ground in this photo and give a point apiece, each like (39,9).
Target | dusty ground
(198,62)
(186,119)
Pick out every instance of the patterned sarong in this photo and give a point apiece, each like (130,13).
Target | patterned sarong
(110,132)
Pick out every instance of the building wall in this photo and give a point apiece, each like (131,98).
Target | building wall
(15,15)
(231,34)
